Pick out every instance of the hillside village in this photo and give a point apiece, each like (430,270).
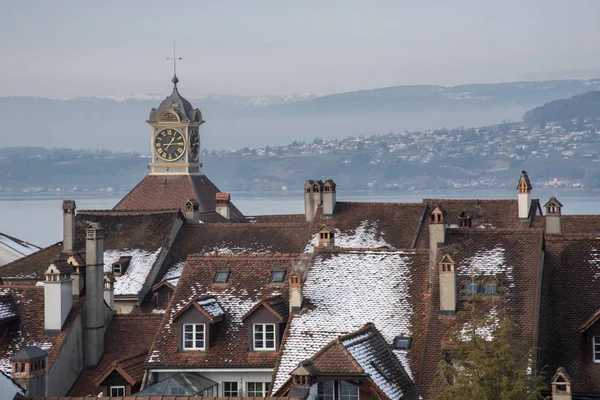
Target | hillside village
(175,291)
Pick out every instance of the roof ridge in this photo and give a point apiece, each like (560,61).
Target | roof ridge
(383,249)
(128,212)
(495,230)
(257,224)
(240,256)
(470,200)
(573,235)
(382,203)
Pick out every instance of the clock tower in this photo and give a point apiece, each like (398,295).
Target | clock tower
(175,137)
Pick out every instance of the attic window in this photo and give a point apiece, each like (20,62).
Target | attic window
(324,235)
(402,342)
(116,269)
(222,276)
(596,349)
(118,227)
(471,288)
(277,276)
(491,288)
(464,220)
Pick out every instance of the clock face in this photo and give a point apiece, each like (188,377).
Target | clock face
(194,144)
(169,144)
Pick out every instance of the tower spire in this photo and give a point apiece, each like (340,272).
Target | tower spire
(175,80)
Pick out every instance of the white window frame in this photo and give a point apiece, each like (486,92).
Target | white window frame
(263,338)
(231,393)
(263,392)
(596,354)
(121,387)
(194,332)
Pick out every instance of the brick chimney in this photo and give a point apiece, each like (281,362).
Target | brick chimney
(524,195)
(295,289)
(109,290)
(29,366)
(553,213)
(437,238)
(313,198)
(93,327)
(561,385)
(58,297)
(329,198)
(68,208)
(223,207)
(191,211)
(447,286)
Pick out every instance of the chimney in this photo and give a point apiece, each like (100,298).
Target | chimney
(109,290)
(295,289)
(28,370)
(224,205)
(329,198)
(313,198)
(326,237)
(68,207)
(93,328)
(553,213)
(191,211)
(561,385)
(77,274)
(524,194)
(437,237)
(447,287)
(58,297)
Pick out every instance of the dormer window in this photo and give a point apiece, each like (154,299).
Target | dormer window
(491,288)
(117,269)
(194,337)
(222,276)
(464,220)
(402,342)
(277,276)
(263,337)
(471,288)
(596,349)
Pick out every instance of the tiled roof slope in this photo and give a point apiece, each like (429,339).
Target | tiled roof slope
(125,339)
(362,225)
(156,192)
(278,218)
(580,224)
(512,257)
(387,289)
(259,238)
(248,284)
(571,289)
(32,266)
(28,330)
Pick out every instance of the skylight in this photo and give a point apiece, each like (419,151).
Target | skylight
(402,342)
(222,276)
(277,276)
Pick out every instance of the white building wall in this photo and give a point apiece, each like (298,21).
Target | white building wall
(524,204)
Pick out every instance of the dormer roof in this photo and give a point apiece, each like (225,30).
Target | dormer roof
(553,202)
(275,305)
(177,104)
(207,306)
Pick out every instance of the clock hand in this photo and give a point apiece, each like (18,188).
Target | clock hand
(170,143)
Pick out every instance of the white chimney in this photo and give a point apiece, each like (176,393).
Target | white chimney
(191,211)
(295,290)
(553,215)
(329,198)
(58,297)
(223,206)
(93,327)
(313,198)
(109,290)
(447,287)
(524,195)
(68,208)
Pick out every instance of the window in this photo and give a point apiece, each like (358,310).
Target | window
(117,391)
(117,269)
(596,349)
(176,390)
(471,288)
(222,276)
(164,297)
(277,276)
(230,389)
(325,390)
(348,391)
(491,288)
(193,336)
(336,390)
(210,392)
(402,342)
(257,389)
(264,336)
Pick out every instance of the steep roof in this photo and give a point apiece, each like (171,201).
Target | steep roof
(28,329)
(177,104)
(18,245)
(160,192)
(570,293)
(248,284)
(511,258)
(31,267)
(126,344)
(385,287)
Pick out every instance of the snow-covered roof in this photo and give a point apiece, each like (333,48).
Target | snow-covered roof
(211,306)
(345,291)
(136,274)
(366,235)
(20,246)
(487,262)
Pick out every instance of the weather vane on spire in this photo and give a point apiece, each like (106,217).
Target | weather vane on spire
(174,58)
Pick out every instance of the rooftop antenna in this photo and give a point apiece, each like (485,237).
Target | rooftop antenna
(174,58)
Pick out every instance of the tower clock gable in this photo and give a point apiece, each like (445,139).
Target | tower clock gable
(175,136)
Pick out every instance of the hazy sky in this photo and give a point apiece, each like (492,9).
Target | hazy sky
(73,48)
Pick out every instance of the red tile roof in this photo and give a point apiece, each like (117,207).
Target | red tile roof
(126,344)
(157,192)
(248,284)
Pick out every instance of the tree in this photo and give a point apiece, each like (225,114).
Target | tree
(488,360)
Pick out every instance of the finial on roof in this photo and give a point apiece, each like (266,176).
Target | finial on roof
(175,80)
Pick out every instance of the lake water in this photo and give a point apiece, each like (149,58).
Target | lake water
(39,219)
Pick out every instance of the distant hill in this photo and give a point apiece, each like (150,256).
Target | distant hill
(585,105)
(235,121)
